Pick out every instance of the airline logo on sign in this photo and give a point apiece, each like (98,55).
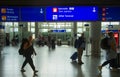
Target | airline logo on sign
(55,9)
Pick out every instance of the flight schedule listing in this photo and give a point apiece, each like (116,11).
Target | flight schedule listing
(59,13)
(82,13)
(9,14)
(109,13)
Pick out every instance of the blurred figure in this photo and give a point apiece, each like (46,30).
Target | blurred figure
(13,41)
(53,42)
(17,39)
(80,47)
(29,51)
(49,41)
(7,40)
(111,53)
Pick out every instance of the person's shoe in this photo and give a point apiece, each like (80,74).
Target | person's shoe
(100,68)
(35,71)
(22,70)
(80,63)
(114,69)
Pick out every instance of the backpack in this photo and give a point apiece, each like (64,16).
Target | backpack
(21,51)
(104,43)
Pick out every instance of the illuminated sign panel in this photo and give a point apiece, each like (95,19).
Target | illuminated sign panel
(77,13)
(59,30)
(59,13)
(109,13)
(9,14)
(32,14)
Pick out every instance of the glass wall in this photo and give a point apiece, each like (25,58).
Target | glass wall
(31,28)
(60,30)
(82,27)
(12,29)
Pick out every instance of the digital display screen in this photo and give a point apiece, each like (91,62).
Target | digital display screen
(59,30)
(109,13)
(9,14)
(32,14)
(59,13)
(76,13)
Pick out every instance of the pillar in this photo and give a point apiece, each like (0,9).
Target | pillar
(36,29)
(23,29)
(95,38)
(2,37)
(74,33)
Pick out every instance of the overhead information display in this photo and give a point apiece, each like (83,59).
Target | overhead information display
(9,14)
(59,13)
(32,14)
(109,13)
(76,13)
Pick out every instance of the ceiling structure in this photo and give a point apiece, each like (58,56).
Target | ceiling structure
(58,2)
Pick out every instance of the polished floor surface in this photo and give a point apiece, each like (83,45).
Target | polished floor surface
(52,63)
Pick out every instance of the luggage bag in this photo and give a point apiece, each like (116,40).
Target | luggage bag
(74,56)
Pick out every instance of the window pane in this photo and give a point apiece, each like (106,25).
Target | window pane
(11,29)
(32,30)
(105,23)
(79,30)
(15,29)
(15,24)
(32,24)
(114,23)
(68,30)
(43,30)
(79,24)
(33,35)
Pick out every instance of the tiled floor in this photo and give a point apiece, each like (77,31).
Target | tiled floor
(52,63)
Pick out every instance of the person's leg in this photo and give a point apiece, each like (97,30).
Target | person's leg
(80,52)
(104,63)
(32,65)
(113,64)
(24,64)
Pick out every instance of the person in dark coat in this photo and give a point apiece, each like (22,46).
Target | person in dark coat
(28,52)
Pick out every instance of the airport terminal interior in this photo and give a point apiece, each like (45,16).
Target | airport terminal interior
(53,62)
(64,21)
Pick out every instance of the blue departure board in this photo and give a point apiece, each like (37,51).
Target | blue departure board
(109,13)
(73,13)
(59,13)
(9,14)
(32,14)
(63,30)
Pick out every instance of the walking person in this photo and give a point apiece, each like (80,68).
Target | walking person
(111,54)
(49,41)
(80,48)
(28,52)
(53,43)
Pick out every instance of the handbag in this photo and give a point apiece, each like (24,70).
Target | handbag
(21,51)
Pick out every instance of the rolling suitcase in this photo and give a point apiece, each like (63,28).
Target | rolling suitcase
(74,56)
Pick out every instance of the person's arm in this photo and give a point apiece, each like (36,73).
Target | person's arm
(113,45)
(35,52)
(26,45)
